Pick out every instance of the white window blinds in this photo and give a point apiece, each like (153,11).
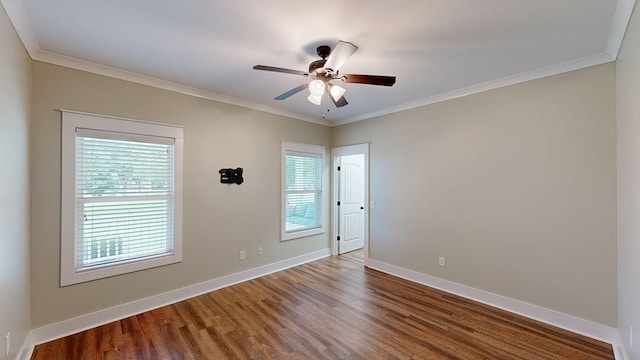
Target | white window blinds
(124,197)
(303,191)
(303,198)
(121,206)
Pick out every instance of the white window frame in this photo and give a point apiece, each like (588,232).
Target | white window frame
(315,150)
(78,120)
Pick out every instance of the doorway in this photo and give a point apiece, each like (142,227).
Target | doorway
(350,183)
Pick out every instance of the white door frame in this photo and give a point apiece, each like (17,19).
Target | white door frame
(335,178)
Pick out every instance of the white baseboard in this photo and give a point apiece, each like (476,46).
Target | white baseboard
(27,348)
(568,322)
(88,321)
(619,351)
(552,317)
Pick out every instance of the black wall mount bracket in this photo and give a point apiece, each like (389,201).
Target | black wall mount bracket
(231,176)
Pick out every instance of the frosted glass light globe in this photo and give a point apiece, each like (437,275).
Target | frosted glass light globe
(316,87)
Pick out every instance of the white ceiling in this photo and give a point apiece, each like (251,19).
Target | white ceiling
(437,49)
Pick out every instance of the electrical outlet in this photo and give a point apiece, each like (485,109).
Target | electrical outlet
(243,255)
(260,252)
(7,344)
(442,261)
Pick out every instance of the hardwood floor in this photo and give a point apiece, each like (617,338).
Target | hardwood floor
(328,309)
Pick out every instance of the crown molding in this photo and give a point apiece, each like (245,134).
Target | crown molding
(624,9)
(621,19)
(94,68)
(490,85)
(23,27)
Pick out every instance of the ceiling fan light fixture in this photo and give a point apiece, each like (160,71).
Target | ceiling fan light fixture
(322,72)
(316,100)
(316,88)
(336,91)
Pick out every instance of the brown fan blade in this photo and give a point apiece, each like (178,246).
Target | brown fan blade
(292,92)
(281,70)
(339,55)
(369,79)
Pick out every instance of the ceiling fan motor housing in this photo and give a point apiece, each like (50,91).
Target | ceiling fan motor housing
(317,65)
(323,51)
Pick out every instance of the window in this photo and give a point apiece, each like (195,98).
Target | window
(121,196)
(302,190)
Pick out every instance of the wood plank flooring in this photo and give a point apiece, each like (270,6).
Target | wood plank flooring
(332,308)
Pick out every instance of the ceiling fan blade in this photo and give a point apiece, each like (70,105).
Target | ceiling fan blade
(292,92)
(281,70)
(336,93)
(340,103)
(339,55)
(369,79)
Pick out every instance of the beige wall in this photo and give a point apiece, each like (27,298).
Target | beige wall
(628,112)
(219,220)
(15,87)
(516,187)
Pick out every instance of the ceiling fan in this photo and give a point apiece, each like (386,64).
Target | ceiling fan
(326,70)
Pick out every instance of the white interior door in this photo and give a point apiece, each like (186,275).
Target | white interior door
(351,198)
